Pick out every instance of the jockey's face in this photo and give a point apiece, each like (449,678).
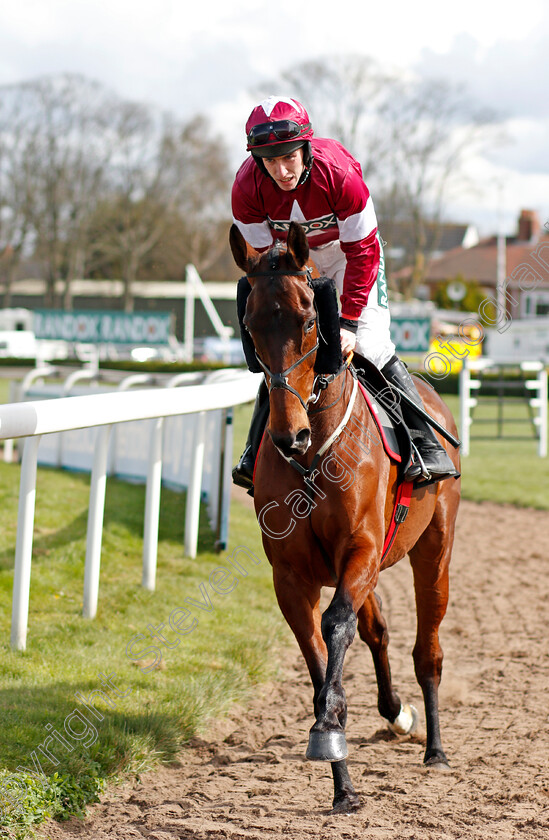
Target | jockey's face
(286,170)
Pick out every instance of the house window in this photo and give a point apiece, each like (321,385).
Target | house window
(535,304)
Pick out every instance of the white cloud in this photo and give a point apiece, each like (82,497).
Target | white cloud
(510,75)
(134,45)
(496,194)
(207,56)
(527,148)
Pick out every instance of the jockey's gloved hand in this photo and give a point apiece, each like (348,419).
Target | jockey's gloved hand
(348,341)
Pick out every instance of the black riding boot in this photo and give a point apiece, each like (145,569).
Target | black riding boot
(244,470)
(436,462)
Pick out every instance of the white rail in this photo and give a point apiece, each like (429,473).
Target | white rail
(33,419)
(468,384)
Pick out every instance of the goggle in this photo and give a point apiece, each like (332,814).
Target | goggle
(259,135)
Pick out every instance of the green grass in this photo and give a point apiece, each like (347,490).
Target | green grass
(505,470)
(4,390)
(231,649)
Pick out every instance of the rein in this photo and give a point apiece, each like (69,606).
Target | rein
(280,380)
(308,472)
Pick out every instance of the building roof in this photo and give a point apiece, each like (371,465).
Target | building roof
(480,262)
(439,237)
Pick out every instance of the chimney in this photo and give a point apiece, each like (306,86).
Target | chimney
(529,226)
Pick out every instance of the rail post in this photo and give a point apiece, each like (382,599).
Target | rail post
(95,522)
(466,403)
(23,545)
(192,513)
(152,506)
(540,402)
(225,480)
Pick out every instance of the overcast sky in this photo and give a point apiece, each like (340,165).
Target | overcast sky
(205,56)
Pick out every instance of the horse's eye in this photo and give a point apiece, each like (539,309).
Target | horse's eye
(310,324)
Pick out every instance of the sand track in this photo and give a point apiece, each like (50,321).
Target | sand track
(249,778)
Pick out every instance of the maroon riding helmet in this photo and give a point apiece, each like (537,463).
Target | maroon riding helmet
(277,127)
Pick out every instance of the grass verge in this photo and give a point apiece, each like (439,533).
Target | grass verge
(77,710)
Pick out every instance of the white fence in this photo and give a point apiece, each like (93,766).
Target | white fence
(468,384)
(31,420)
(129,442)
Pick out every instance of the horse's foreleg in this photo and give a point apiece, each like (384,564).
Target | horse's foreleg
(300,607)
(372,629)
(430,569)
(301,610)
(327,736)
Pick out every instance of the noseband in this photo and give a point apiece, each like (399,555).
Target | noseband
(280,380)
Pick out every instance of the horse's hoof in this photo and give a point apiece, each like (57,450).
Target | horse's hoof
(406,722)
(346,805)
(437,762)
(326,746)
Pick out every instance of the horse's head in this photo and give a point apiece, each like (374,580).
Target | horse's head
(281,318)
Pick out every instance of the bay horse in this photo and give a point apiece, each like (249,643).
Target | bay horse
(322,529)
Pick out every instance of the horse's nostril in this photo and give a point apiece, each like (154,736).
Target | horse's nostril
(303,436)
(289,444)
(283,442)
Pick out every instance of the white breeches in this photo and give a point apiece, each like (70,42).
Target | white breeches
(373,338)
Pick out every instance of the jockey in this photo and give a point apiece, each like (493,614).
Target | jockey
(293,176)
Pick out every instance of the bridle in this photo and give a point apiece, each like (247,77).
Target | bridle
(280,380)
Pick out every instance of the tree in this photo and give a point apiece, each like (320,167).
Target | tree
(345,97)
(202,198)
(17,144)
(91,182)
(432,128)
(168,192)
(59,157)
(475,299)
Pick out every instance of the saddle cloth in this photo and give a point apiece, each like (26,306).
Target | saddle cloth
(381,401)
(394,435)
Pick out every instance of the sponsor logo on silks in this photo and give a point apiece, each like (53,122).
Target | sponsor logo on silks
(312,227)
(381,280)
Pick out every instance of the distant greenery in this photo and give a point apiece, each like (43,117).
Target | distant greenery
(472,300)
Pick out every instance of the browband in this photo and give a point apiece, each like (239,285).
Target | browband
(280,272)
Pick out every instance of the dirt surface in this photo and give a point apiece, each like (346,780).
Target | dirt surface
(248,777)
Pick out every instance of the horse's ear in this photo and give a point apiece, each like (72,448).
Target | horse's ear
(240,249)
(298,247)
